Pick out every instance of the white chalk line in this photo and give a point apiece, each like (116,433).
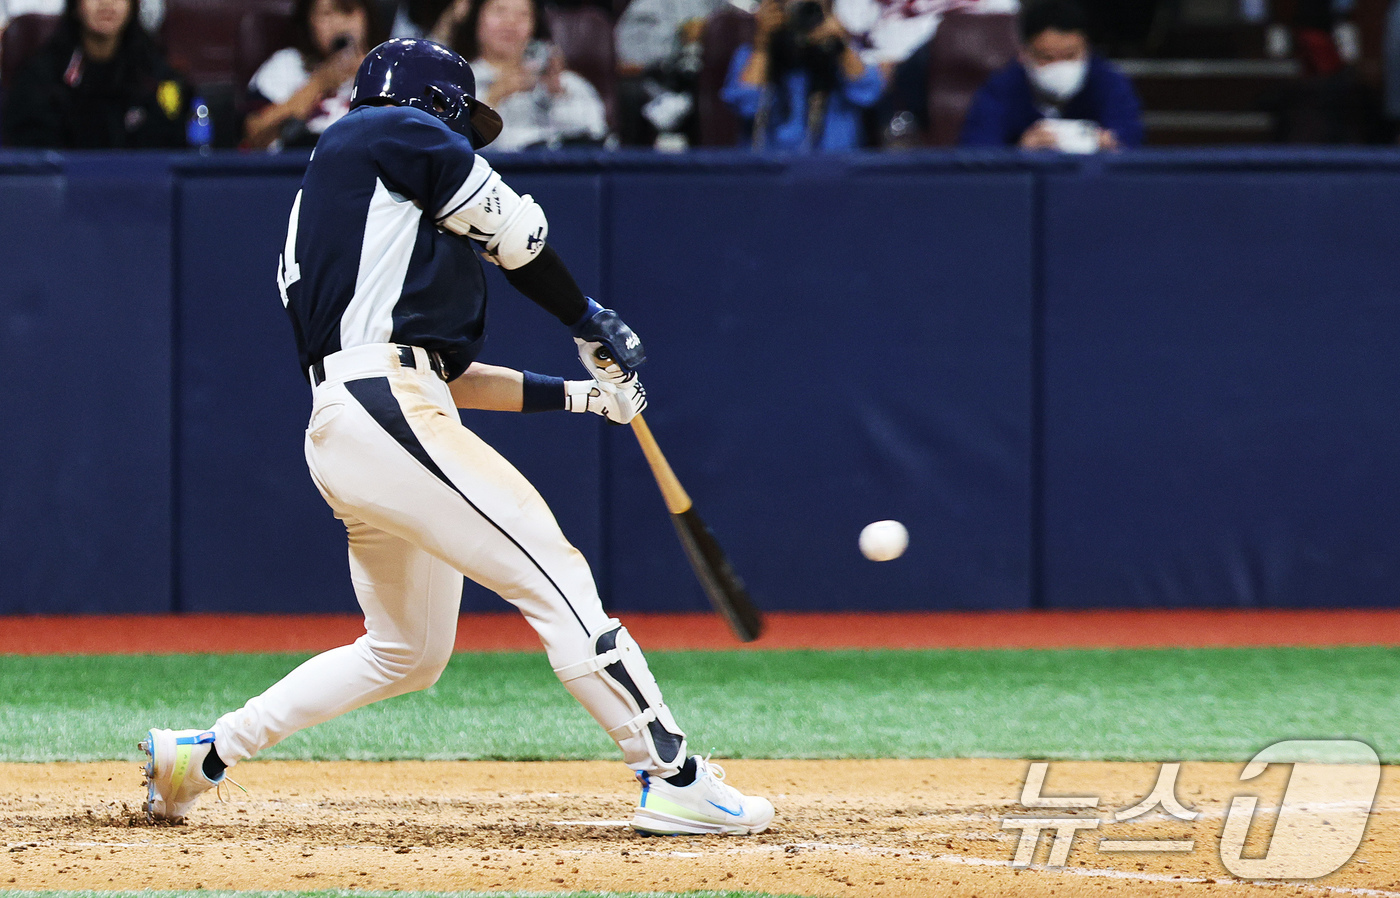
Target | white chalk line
(1223,879)
(592,822)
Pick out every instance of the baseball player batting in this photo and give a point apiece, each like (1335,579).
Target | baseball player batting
(387,299)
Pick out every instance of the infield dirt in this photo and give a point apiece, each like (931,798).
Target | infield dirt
(896,828)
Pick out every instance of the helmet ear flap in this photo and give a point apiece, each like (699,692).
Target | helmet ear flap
(449,106)
(439,103)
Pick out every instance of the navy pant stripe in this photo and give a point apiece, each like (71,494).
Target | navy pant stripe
(378,399)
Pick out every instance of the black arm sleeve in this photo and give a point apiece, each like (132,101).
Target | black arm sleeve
(546,281)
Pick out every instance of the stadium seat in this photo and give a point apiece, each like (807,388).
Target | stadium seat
(266,29)
(201,39)
(24,36)
(218,44)
(224,41)
(966,49)
(584,35)
(726,30)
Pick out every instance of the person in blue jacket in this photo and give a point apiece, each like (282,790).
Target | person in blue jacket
(800,85)
(1056,77)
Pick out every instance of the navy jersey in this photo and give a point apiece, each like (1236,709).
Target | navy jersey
(365,261)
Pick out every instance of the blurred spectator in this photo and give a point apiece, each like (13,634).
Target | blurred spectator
(649,32)
(100,83)
(895,35)
(658,61)
(1058,95)
(152,11)
(433,19)
(888,32)
(800,84)
(521,75)
(300,90)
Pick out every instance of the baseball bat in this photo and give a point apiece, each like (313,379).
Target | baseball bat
(711,565)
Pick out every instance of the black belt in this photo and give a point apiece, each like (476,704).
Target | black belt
(406,359)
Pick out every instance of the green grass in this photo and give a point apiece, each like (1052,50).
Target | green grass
(1201,704)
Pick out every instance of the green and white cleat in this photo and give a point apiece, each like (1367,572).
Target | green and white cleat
(175,771)
(707,806)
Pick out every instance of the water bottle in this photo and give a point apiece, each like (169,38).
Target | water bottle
(199,133)
(901,132)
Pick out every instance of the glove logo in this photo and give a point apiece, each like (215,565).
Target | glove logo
(535,240)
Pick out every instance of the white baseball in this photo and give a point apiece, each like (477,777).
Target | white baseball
(884,540)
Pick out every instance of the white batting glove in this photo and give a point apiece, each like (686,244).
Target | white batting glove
(612,374)
(618,403)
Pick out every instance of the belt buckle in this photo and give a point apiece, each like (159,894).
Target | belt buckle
(408,359)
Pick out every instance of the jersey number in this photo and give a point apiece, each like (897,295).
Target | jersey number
(288,271)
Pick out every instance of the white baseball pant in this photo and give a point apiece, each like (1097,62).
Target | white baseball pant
(424,501)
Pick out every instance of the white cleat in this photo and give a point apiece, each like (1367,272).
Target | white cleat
(707,806)
(175,771)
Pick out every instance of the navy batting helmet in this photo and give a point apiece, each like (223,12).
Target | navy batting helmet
(427,76)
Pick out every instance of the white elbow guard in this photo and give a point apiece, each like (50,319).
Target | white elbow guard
(511,228)
(521,238)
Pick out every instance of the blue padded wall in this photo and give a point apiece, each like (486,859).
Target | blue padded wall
(1157,379)
(1221,420)
(86,365)
(830,344)
(253,533)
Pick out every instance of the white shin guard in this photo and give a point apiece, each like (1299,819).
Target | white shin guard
(617,688)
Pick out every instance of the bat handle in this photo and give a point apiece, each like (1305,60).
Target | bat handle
(676,498)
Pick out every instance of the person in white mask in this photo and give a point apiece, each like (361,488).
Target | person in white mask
(1058,95)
